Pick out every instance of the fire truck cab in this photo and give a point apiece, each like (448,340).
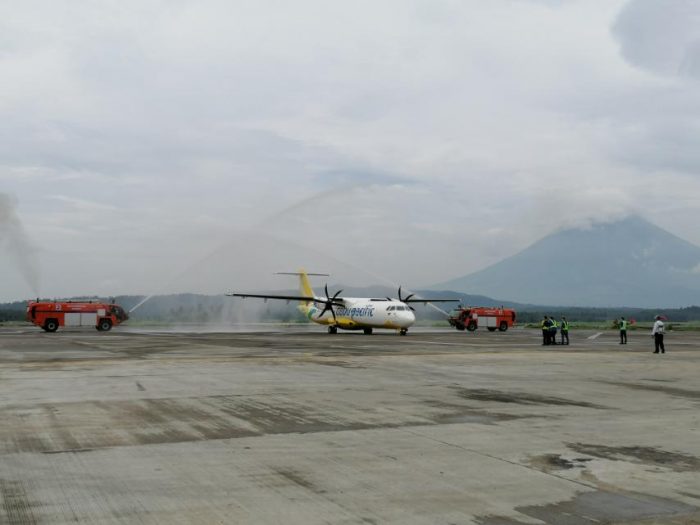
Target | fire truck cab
(470,318)
(50,315)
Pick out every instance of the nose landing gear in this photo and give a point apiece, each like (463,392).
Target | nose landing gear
(403,331)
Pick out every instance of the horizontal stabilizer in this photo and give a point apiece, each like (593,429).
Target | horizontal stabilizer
(304,273)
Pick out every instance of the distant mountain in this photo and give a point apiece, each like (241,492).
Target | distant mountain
(626,263)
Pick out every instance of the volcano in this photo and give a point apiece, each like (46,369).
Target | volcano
(630,262)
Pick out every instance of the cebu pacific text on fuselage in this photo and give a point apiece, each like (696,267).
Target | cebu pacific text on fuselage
(362,311)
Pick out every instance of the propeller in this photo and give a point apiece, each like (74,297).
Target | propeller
(329,302)
(404,299)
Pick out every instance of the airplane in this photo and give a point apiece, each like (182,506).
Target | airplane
(350,313)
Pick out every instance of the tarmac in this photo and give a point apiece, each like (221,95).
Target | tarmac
(295,426)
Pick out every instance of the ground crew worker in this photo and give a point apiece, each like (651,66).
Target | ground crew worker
(623,331)
(553,332)
(564,331)
(657,333)
(545,330)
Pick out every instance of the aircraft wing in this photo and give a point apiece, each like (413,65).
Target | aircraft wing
(337,302)
(431,300)
(283,297)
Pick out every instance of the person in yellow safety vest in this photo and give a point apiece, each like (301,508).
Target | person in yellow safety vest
(564,331)
(553,332)
(623,331)
(545,330)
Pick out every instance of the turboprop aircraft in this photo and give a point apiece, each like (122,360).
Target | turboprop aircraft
(350,313)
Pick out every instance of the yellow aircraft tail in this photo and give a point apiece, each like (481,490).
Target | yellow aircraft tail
(304,284)
(307,308)
(305,289)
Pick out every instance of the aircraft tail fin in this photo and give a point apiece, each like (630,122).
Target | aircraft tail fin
(304,284)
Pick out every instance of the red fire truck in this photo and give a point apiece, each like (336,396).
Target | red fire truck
(472,317)
(51,315)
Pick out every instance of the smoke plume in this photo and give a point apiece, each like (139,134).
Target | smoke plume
(15,244)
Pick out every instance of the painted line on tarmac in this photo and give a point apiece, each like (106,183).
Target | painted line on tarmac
(595,336)
(482,345)
(432,343)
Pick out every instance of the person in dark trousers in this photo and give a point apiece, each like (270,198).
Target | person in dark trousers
(545,330)
(657,333)
(623,330)
(564,331)
(552,331)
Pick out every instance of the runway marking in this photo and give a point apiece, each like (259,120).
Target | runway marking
(595,336)
(511,345)
(433,343)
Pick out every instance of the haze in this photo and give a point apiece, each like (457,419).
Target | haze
(153,147)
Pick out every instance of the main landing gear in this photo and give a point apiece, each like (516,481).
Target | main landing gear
(367,331)
(332,329)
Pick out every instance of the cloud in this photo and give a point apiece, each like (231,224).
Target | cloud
(661,37)
(417,139)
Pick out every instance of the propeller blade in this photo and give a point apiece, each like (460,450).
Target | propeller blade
(328,303)
(404,299)
(325,309)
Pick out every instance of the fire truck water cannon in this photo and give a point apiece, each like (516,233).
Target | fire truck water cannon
(470,318)
(53,314)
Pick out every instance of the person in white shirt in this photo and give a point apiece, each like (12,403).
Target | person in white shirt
(657,333)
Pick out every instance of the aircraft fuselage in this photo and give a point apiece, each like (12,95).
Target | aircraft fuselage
(361,313)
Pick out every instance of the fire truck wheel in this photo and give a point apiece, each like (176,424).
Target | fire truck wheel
(51,325)
(492,328)
(471,326)
(503,326)
(104,325)
(459,326)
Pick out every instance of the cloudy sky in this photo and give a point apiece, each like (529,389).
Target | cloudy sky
(152,147)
